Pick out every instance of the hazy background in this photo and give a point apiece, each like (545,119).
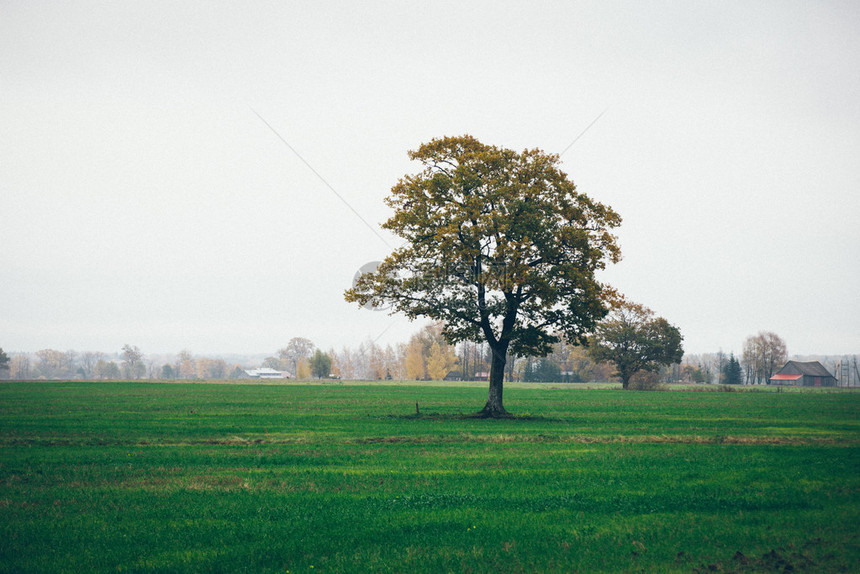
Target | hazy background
(142,201)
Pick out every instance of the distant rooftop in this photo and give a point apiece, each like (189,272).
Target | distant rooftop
(267,373)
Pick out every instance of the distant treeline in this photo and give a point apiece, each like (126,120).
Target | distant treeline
(426,356)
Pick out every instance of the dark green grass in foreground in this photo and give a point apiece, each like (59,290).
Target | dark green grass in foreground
(208,478)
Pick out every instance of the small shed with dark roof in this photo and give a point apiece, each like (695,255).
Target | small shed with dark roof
(804,374)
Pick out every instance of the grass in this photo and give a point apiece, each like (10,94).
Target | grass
(142,477)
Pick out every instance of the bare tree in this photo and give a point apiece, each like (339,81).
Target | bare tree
(343,363)
(721,361)
(761,356)
(20,367)
(297,348)
(52,363)
(776,353)
(132,362)
(211,368)
(186,366)
(88,361)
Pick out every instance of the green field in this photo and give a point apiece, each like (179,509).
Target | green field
(117,477)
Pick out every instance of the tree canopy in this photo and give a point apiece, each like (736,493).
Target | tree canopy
(634,340)
(320,364)
(499,246)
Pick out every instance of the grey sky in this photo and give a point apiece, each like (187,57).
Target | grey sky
(142,201)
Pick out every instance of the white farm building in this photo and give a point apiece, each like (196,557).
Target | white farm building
(267,373)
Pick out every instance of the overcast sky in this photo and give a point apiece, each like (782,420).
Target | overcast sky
(143,201)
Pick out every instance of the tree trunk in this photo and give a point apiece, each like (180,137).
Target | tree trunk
(494,407)
(625,382)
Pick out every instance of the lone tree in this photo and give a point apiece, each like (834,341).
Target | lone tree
(132,362)
(500,247)
(298,348)
(634,340)
(762,354)
(320,364)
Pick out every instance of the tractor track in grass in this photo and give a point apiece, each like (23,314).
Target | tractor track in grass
(18,441)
